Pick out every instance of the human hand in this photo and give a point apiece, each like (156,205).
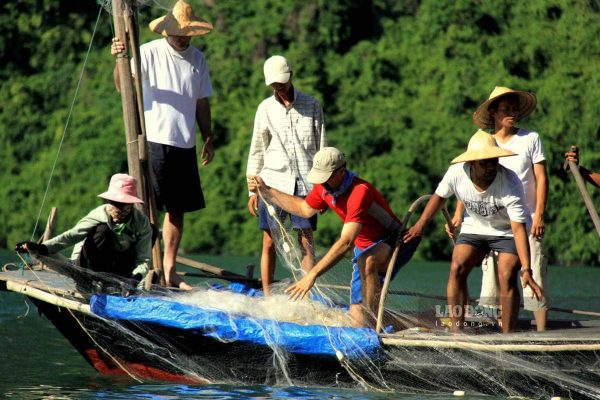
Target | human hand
(117,47)
(256,184)
(24,247)
(208,151)
(413,232)
(451,228)
(299,289)
(253,205)
(573,155)
(527,280)
(538,229)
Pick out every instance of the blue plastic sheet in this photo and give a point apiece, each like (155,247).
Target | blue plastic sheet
(294,338)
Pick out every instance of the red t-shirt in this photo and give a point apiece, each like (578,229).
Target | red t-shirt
(352,206)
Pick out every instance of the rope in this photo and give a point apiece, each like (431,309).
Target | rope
(62,139)
(287,242)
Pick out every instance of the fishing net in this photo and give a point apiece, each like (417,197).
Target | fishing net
(228,332)
(129,7)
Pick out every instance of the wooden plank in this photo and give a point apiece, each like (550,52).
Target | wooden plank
(208,268)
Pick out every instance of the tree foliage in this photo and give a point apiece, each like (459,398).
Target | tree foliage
(399,82)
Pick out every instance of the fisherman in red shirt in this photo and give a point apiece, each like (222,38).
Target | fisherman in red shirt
(369,224)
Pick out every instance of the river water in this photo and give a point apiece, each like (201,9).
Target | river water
(36,362)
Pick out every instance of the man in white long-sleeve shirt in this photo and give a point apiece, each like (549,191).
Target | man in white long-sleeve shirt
(288,131)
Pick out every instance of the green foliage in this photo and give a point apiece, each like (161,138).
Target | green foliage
(398,81)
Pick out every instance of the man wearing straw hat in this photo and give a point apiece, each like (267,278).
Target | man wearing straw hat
(503,109)
(492,195)
(115,237)
(176,86)
(370,226)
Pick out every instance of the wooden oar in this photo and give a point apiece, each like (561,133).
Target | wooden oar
(585,194)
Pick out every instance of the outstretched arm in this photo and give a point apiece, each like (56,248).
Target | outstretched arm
(349,232)
(292,204)
(434,205)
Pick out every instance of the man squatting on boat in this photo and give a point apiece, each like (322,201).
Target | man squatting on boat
(115,237)
(369,224)
(493,198)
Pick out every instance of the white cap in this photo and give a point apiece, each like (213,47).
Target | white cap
(277,69)
(325,162)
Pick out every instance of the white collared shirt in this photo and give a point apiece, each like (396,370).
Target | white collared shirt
(284,142)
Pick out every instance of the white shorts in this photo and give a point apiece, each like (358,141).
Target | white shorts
(490,289)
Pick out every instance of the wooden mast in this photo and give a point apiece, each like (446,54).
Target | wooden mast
(133,116)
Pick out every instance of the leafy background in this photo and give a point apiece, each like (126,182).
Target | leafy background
(398,81)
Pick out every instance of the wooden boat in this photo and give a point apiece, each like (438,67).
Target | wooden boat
(409,360)
(563,362)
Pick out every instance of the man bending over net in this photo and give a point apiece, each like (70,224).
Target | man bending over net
(369,224)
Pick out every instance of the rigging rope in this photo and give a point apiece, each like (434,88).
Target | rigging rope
(62,139)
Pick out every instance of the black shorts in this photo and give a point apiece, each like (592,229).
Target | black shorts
(487,243)
(176,180)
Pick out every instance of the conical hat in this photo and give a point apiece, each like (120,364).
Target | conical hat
(482,146)
(527,103)
(181,22)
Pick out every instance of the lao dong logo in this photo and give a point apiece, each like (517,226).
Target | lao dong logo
(474,315)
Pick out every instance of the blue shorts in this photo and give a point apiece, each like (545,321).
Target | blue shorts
(487,243)
(297,222)
(404,255)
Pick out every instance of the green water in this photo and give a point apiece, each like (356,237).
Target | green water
(37,362)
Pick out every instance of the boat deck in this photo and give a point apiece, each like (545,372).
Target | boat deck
(580,336)
(42,279)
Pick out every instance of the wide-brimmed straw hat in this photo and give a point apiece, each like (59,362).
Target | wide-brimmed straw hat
(527,103)
(181,21)
(122,189)
(482,146)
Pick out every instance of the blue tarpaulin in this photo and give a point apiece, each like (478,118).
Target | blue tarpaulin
(294,338)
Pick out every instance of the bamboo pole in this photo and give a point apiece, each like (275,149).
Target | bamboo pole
(42,295)
(220,272)
(390,268)
(49,225)
(448,343)
(122,10)
(585,194)
(146,171)
(133,116)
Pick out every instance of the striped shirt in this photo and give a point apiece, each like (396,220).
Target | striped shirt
(284,142)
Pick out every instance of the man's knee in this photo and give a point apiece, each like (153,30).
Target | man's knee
(459,270)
